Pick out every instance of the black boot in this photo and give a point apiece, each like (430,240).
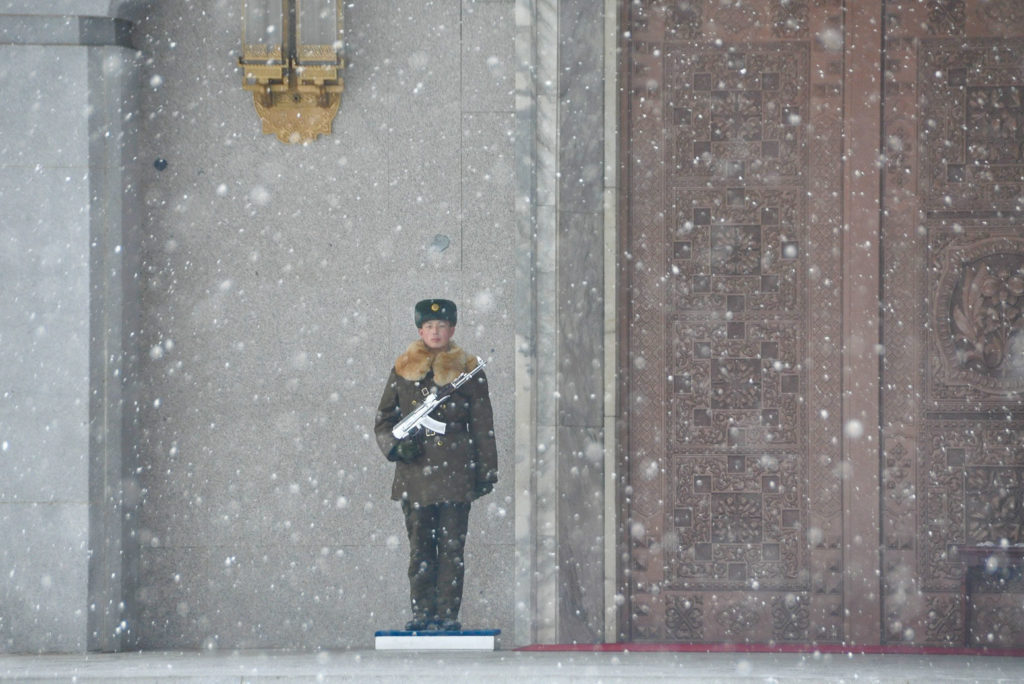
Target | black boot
(449,625)
(418,624)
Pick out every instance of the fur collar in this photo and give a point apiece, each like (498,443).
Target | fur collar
(417,360)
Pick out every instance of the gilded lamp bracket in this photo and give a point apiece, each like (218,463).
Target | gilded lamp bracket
(292,62)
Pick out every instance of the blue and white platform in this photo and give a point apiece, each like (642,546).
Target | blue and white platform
(435,640)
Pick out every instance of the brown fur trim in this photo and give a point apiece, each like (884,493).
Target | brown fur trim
(415,361)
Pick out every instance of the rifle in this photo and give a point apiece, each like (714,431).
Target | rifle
(420,418)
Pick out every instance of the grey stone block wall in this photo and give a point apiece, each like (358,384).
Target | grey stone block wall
(67,84)
(44,335)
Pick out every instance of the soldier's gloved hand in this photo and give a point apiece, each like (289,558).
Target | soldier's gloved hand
(405,451)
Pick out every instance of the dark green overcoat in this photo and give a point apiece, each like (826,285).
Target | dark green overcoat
(458,466)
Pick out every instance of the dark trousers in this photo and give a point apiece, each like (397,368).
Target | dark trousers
(437,537)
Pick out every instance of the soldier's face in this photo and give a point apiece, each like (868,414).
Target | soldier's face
(437,334)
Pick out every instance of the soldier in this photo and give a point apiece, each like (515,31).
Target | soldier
(437,475)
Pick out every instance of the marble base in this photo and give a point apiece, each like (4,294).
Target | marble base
(465,640)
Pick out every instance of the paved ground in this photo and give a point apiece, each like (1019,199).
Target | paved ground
(503,666)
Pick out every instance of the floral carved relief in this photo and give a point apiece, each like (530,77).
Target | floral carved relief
(684,19)
(737,523)
(978,317)
(1001,14)
(790,19)
(790,619)
(995,127)
(684,618)
(988,313)
(971,491)
(735,620)
(943,623)
(971,99)
(946,17)
(994,497)
(736,250)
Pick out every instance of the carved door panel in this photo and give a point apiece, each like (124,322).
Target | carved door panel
(733,196)
(733,130)
(953,440)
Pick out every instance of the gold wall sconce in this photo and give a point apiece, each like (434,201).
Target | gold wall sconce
(291,62)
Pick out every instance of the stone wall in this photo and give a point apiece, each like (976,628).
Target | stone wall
(65,126)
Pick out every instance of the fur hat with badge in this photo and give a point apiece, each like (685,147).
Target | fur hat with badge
(435,310)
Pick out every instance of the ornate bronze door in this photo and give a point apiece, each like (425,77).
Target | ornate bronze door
(953,447)
(734,323)
(802,463)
